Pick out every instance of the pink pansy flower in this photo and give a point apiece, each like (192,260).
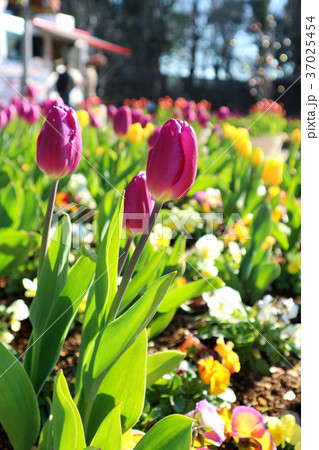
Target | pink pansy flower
(208,417)
(247,424)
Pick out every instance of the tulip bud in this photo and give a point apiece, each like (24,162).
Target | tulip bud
(138,205)
(122,120)
(59,146)
(172,163)
(273,171)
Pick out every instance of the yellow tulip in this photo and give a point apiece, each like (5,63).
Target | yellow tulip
(228,130)
(83,117)
(296,136)
(273,170)
(135,133)
(258,157)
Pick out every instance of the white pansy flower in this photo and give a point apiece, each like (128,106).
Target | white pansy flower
(209,246)
(30,287)
(234,251)
(292,332)
(222,302)
(17,311)
(288,310)
(267,312)
(77,181)
(207,268)
(6,337)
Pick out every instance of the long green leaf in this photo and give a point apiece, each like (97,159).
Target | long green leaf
(46,350)
(53,276)
(19,412)
(116,337)
(68,430)
(106,266)
(109,435)
(178,295)
(158,364)
(124,384)
(140,279)
(171,433)
(159,323)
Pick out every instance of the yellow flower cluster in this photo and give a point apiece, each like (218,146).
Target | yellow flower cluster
(239,231)
(285,430)
(230,359)
(294,264)
(217,374)
(212,372)
(136,132)
(269,242)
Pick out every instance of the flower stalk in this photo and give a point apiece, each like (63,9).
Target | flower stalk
(47,225)
(132,264)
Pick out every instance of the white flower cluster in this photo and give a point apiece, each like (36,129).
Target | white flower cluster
(207,249)
(279,314)
(16,312)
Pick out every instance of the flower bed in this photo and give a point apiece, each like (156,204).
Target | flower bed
(166,316)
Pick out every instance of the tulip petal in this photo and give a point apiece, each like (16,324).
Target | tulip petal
(190,155)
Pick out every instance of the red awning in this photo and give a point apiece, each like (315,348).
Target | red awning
(52,28)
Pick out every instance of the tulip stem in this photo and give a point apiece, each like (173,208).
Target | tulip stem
(132,263)
(47,225)
(124,255)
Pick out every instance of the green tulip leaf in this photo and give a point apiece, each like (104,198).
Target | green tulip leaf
(158,364)
(109,434)
(19,412)
(124,383)
(117,336)
(171,433)
(68,430)
(178,295)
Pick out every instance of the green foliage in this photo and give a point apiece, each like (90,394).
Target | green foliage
(19,411)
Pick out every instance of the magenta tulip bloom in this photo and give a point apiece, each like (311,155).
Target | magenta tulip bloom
(59,146)
(209,417)
(153,138)
(145,120)
(95,119)
(138,205)
(3,118)
(137,115)
(111,111)
(172,163)
(223,113)
(33,114)
(122,120)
